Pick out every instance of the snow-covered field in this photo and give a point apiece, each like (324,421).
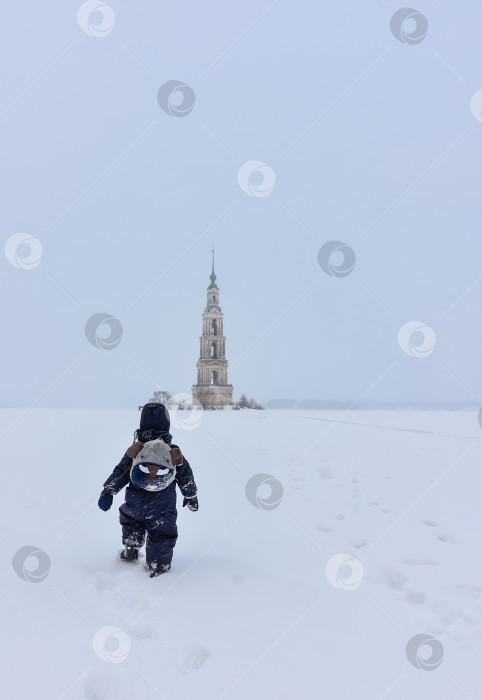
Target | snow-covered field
(255,605)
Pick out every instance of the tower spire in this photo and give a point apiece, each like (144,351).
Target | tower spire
(212,389)
(213,276)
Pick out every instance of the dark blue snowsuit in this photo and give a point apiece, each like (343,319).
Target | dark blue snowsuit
(151,512)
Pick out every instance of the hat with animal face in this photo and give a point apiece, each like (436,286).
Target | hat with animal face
(152,468)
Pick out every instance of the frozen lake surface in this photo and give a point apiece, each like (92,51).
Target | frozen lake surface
(258,603)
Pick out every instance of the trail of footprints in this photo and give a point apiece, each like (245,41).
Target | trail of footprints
(325,474)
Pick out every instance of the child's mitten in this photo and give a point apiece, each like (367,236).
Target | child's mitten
(105,500)
(191,503)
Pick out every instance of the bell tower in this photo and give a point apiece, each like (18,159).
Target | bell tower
(212,388)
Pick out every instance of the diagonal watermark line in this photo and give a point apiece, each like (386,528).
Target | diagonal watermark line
(379,302)
(429,488)
(347,410)
(306,534)
(456,379)
(449,308)
(295,218)
(96,180)
(74,683)
(273,323)
(74,522)
(40,396)
(224,452)
(451,68)
(137,60)
(5,591)
(388,690)
(196,561)
(460,688)
(148,376)
(332,104)
(412,185)
(69,602)
(181,255)
(63,291)
(268,649)
(238,38)
(384,612)
(36,79)
(462,615)
(216,139)
(159,692)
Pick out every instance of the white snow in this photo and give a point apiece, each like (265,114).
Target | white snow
(248,609)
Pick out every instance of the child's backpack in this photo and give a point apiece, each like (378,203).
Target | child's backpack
(154,465)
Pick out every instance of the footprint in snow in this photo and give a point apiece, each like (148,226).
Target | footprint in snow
(143,631)
(372,503)
(340,516)
(443,537)
(98,688)
(430,523)
(193,657)
(393,579)
(324,473)
(415,597)
(324,528)
(105,582)
(358,543)
(468,590)
(422,561)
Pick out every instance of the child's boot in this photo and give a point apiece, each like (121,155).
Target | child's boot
(157,570)
(129,554)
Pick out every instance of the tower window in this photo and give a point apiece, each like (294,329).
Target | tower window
(214,297)
(214,328)
(213,350)
(214,377)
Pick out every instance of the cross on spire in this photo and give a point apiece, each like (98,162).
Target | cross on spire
(213,276)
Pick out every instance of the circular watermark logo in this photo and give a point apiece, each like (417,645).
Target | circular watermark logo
(256,178)
(344,572)
(476,105)
(424,652)
(105,342)
(111,644)
(176,98)
(337,259)
(185,412)
(96,18)
(264,491)
(416,339)
(31,564)
(409,26)
(23,251)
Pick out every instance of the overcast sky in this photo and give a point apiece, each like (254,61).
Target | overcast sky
(369,139)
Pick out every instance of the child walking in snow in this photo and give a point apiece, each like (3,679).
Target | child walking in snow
(150,468)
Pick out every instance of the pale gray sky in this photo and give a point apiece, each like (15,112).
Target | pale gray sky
(372,142)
